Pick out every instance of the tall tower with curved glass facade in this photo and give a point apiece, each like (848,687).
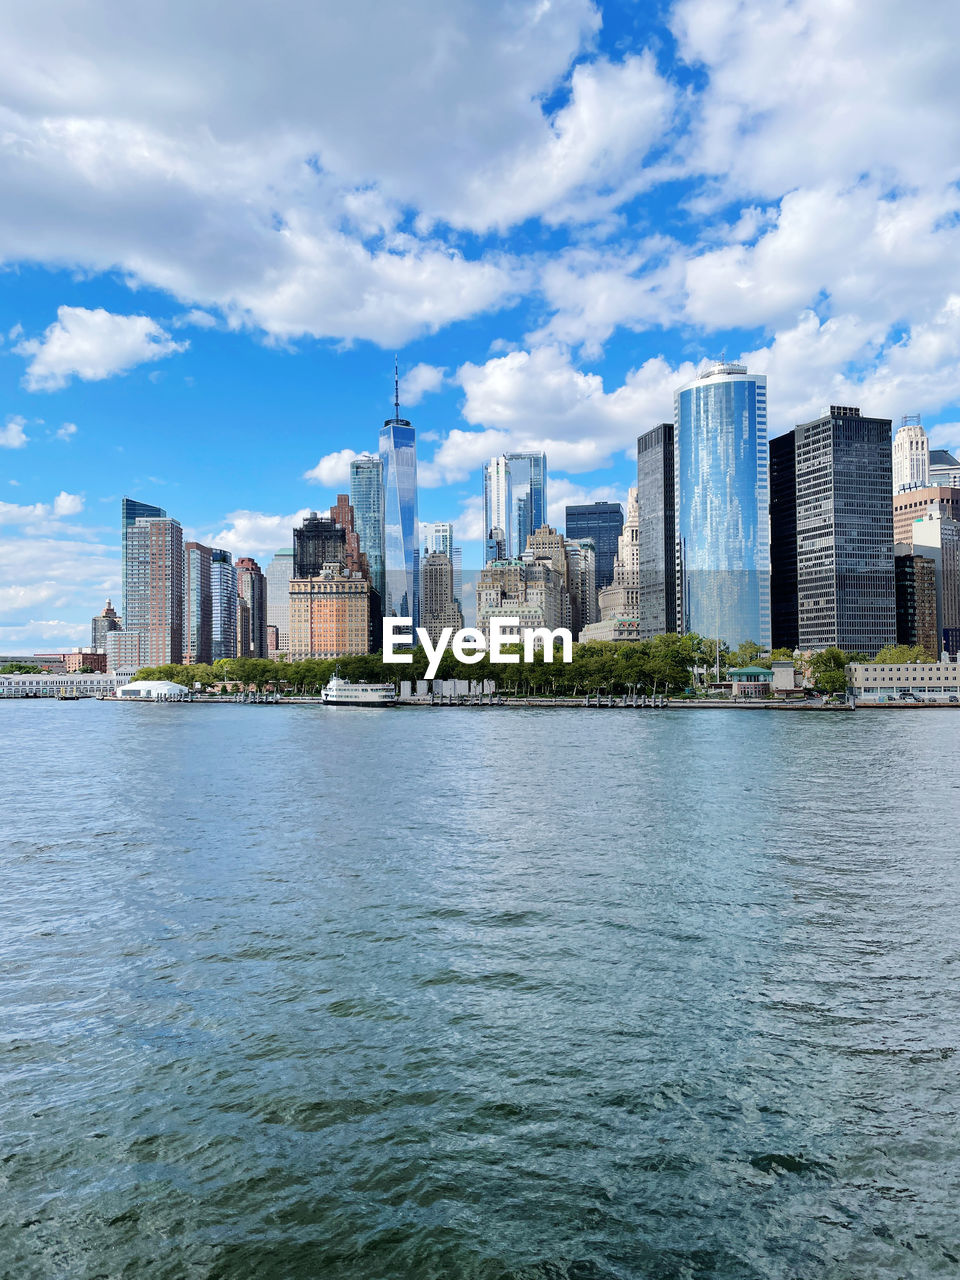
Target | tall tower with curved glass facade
(722,503)
(398,453)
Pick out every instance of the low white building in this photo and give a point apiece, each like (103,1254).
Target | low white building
(153,691)
(904,681)
(58,684)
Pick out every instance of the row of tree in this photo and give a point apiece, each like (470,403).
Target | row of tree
(663,665)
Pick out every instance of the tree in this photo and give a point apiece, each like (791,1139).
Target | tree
(901,653)
(21,669)
(827,670)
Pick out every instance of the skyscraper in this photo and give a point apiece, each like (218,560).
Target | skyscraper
(131,510)
(318,541)
(398,453)
(102,625)
(438,536)
(278,574)
(197,603)
(911,456)
(514,502)
(602,522)
(846,593)
(153,587)
(438,608)
(937,537)
(722,500)
(223,605)
(784,600)
(656,532)
(366,498)
(252,586)
(916,582)
(944,469)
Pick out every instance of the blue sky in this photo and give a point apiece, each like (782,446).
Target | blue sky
(214,240)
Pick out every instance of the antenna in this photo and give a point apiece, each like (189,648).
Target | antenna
(396,389)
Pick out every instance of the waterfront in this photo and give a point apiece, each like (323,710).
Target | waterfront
(532,997)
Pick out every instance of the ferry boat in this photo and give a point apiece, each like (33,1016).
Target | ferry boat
(341,693)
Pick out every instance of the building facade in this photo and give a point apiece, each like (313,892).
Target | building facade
(784,599)
(915,503)
(620,601)
(916,588)
(582,583)
(366,498)
(102,625)
(602,523)
(278,574)
(911,456)
(153,550)
(657,565)
(197,603)
(514,502)
(529,590)
(223,605)
(722,503)
(944,469)
(252,586)
(132,510)
(398,453)
(937,537)
(904,682)
(329,614)
(318,541)
(438,605)
(438,536)
(845,574)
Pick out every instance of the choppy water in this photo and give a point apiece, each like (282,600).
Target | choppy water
(298,992)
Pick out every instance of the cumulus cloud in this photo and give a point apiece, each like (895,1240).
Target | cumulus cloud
(255,533)
(332,469)
(64,504)
(12,434)
(66,431)
(419,381)
(92,345)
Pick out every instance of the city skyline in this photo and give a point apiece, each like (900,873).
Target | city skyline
(218,338)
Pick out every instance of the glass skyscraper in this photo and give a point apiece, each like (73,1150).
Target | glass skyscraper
(130,512)
(366,498)
(722,502)
(398,453)
(603,522)
(197,603)
(278,574)
(514,502)
(223,595)
(656,532)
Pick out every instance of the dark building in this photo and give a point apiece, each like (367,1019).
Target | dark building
(844,511)
(784,603)
(252,589)
(656,532)
(102,625)
(318,541)
(916,587)
(603,522)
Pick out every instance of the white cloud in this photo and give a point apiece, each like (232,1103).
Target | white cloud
(64,504)
(332,469)
(14,598)
(254,533)
(66,431)
(419,381)
(946,435)
(12,435)
(92,345)
(562,493)
(67,504)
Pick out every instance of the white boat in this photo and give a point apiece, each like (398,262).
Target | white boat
(341,693)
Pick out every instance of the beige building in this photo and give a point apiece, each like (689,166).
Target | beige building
(526,589)
(438,608)
(620,601)
(904,682)
(329,614)
(913,503)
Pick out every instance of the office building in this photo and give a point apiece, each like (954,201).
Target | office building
(223,605)
(438,606)
(273,642)
(914,503)
(911,456)
(318,541)
(514,502)
(366,498)
(784,598)
(916,588)
(656,540)
(582,582)
(329,614)
(438,536)
(85,660)
(602,523)
(132,510)
(937,538)
(619,603)
(398,453)
(197,603)
(722,500)
(102,625)
(530,590)
(252,585)
(546,546)
(153,588)
(904,681)
(497,510)
(845,574)
(244,645)
(278,574)
(944,469)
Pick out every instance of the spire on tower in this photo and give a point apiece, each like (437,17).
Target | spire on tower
(396,389)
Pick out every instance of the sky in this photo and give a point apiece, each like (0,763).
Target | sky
(220,223)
